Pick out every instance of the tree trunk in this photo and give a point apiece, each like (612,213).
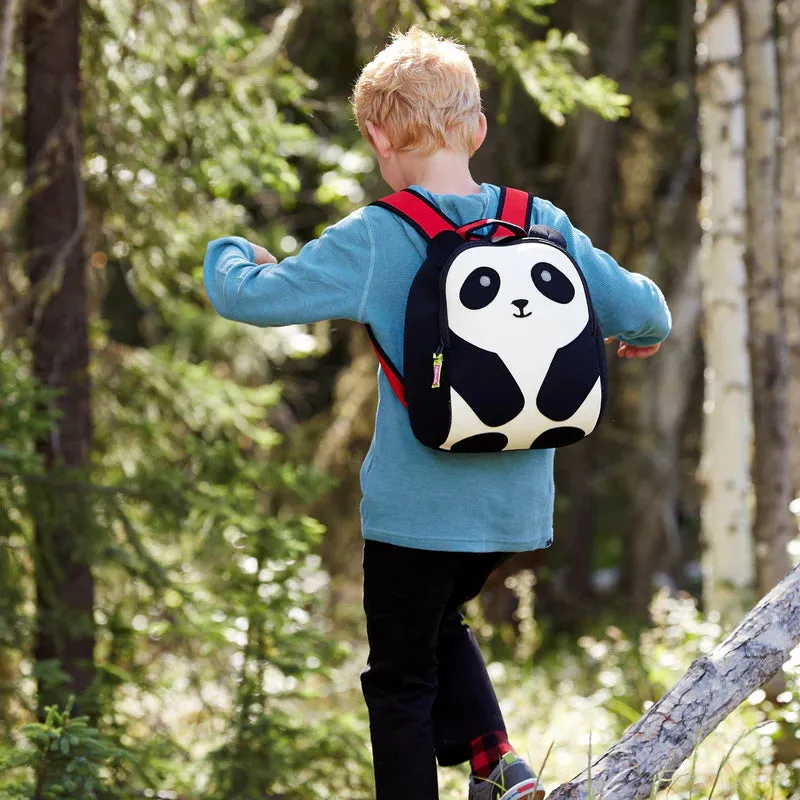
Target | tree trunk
(790,214)
(596,170)
(653,748)
(54,234)
(768,347)
(595,186)
(729,566)
(656,542)
(8,24)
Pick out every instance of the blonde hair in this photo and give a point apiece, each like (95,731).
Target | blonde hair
(423,91)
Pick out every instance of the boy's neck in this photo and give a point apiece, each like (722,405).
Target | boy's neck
(443,172)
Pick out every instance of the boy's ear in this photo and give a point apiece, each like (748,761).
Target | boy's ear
(378,139)
(480,131)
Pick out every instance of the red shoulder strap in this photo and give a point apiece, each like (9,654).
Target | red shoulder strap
(418,212)
(390,370)
(514,206)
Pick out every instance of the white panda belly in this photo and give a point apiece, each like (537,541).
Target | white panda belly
(526,427)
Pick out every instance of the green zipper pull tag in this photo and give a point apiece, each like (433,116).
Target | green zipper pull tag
(438,360)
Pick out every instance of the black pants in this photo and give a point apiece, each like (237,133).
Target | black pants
(426,685)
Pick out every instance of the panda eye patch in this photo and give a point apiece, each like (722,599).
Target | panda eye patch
(480,288)
(552,283)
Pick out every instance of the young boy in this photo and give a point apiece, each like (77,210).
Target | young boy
(435,523)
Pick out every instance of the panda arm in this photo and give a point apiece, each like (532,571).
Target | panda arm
(572,374)
(629,306)
(495,397)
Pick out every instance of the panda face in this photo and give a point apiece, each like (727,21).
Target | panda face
(529,289)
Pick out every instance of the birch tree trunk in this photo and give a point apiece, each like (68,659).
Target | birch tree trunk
(790,215)
(768,347)
(652,749)
(728,554)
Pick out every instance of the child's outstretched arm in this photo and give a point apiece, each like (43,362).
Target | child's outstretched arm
(629,306)
(328,279)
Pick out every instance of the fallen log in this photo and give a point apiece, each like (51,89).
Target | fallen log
(652,749)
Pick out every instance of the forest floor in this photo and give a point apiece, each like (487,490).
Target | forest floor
(571,701)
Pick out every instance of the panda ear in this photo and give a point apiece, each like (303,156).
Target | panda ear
(551,234)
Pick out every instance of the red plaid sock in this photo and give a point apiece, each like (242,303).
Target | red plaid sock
(487,750)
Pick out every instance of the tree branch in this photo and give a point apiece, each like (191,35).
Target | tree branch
(654,747)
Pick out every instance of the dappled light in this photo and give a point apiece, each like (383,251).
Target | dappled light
(399,399)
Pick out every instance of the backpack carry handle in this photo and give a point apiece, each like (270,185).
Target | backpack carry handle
(468,231)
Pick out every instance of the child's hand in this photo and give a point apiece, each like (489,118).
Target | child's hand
(632,351)
(262,256)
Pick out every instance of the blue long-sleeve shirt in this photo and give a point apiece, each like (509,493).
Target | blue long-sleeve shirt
(361,269)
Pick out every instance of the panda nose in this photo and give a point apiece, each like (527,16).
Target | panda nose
(520,304)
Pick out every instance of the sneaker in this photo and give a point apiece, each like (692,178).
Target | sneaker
(511,779)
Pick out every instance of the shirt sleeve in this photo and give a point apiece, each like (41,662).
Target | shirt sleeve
(629,306)
(328,279)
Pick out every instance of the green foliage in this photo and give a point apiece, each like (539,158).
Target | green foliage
(22,420)
(62,757)
(184,134)
(293,756)
(505,35)
(219,674)
(210,529)
(24,417)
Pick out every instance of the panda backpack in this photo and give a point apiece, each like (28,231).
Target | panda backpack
(502,348)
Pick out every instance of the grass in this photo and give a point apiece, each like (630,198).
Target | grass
(734,763)
(574,705)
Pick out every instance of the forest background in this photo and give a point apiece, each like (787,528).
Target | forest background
(179,541)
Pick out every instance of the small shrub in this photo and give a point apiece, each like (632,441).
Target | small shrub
(62,757)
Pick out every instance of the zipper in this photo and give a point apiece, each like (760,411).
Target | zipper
(444,328)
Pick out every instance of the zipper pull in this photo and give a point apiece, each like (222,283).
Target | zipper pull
(438,360)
